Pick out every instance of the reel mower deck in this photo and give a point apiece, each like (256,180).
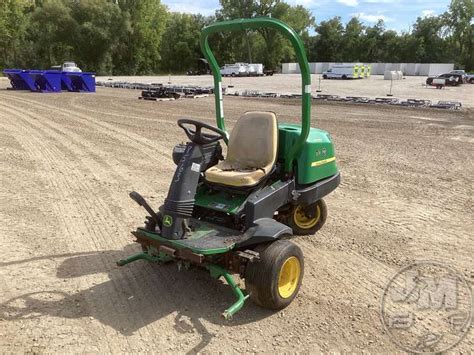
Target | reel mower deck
(208,243)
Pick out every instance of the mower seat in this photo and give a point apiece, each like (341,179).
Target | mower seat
(251,151)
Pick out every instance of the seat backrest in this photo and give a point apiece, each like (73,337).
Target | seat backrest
(253,141)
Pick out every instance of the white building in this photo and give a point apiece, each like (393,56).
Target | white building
(408,69)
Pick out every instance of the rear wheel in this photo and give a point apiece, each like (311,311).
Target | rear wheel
(344,77)
(307,219)
(325,76)
(274,280)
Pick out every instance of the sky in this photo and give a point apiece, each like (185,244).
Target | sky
(398,15)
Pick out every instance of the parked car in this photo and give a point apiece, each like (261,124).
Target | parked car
(451,79)
(460,72)
(470,78)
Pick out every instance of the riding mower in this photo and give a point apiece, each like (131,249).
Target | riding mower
(235,215)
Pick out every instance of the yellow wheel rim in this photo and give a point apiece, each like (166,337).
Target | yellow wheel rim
(289,277)
(303,221)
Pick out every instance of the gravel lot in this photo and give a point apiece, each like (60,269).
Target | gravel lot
(69,160)
(412,87)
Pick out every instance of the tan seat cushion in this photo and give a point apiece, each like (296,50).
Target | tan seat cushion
(251,152)
(221,174)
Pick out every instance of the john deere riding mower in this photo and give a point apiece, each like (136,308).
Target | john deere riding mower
(234,215)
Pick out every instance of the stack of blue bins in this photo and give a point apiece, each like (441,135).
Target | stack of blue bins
(50,80)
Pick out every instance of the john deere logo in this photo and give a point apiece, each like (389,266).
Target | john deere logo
(167,221)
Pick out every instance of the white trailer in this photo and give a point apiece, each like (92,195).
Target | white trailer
(255,69)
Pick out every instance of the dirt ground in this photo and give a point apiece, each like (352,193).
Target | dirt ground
(412,87)
(68,162)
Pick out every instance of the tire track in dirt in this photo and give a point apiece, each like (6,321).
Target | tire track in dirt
(415,221)
(164,110)
(395,206)
(355,267)
(136,141)
(342,277)
(72,140)
(86,205)
(144,285)
(114,168)
(137,274)
(74,104)
(63,208)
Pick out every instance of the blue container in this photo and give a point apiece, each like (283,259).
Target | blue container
(50,80)
(20,79)
(78,81)
(66,83)
(46,80)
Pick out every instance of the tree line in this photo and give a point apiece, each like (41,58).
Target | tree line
(135,37)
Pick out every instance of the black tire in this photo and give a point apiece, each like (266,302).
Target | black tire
(296,221)
(344,77)
(266,285)
(232,75)
(325,76)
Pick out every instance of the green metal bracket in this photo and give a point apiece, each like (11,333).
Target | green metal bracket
(292,36)
(139,256)
(216,272)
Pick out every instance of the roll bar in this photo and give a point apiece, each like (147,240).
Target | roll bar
(289,33)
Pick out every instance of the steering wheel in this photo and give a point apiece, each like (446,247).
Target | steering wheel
(196,135)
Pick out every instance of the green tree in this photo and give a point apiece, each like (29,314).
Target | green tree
(138,52)
(352,48)
(373,42)
(142,37)
(459,19)
(100,27)
(427,32)
(328,41)
(13,27)
(237,46)
(268,45)
(180,46)
(51,33)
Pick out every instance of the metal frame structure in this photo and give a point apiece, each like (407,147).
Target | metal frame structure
(294,38)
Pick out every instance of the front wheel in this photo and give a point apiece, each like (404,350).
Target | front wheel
(307,219)
(274,280)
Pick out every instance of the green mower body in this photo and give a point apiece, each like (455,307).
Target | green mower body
(243,230)
(317,159)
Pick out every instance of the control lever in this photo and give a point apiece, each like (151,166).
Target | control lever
(135,196)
